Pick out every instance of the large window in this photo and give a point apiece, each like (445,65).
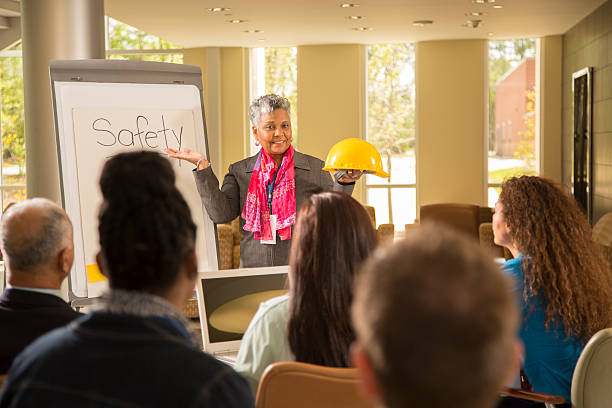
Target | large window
(12,169)
(274,70)
(126,42)
(122,42)
(391,130)
(512,93)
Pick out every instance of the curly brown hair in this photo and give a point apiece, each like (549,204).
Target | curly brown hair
(562,264)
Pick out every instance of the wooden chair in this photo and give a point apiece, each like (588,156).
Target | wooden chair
(461,217)
(301,385)
(591,381)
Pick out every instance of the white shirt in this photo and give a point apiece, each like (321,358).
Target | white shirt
(265,341)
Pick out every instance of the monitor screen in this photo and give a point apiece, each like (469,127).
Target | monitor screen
(231,301)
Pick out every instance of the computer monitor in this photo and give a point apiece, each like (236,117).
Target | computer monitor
(228,299)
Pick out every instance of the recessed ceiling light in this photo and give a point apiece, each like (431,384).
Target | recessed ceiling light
(498,6)
(472,23)
(349,5)
(253,31)
(236,21)
(218,9)
(354,17)
(483,1)
(490,34)
(261,39)
(475,14)
(361,29)
(421,23)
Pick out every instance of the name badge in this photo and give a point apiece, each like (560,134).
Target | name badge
(273,228)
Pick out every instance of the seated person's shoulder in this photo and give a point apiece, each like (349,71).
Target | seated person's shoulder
(272,310)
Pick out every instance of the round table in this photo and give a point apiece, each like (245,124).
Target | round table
(235,315)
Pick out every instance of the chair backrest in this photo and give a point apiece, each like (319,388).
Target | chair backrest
(461,217)
(487,239)
(591,381)
(602,230)
(372,213)
(301,385)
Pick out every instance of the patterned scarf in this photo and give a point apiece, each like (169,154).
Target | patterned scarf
(255,210)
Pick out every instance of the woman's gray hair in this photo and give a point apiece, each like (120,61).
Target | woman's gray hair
(267,104)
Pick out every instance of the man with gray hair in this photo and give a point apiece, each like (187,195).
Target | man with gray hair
(36,243)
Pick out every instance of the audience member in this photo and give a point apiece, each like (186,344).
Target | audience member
(137,350)
(436,324)
(312,324)
(561,278)
(36,242)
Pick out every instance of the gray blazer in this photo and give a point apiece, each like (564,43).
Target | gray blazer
(226,204)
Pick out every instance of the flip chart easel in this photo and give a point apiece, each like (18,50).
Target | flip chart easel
(103,107)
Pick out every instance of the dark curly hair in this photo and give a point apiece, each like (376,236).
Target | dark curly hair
(333,236)
(562,264)
(145,225)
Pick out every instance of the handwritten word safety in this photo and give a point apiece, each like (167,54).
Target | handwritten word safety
(141,137)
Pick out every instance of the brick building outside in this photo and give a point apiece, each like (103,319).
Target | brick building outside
(511,107)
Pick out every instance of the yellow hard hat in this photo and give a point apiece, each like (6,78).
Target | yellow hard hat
(355,154)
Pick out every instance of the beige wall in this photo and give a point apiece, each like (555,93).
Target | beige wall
(331,101)
(197,57)
(208,59)
(235,128)
(450,121)
(549,70)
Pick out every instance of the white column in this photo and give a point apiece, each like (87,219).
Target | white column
(52,29)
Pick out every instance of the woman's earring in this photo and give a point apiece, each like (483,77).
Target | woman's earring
(256,142)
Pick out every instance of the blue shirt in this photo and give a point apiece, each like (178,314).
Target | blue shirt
(550,357)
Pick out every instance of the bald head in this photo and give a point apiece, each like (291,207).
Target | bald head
(33,233)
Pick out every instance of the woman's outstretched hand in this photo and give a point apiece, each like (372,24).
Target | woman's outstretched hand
(191,156)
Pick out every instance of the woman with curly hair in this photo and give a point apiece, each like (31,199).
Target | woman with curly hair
(563,281)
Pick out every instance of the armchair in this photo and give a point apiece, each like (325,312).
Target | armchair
(385,232)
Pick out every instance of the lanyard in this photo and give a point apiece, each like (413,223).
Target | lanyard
(270,189)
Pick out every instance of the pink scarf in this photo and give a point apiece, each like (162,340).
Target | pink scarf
(255,210)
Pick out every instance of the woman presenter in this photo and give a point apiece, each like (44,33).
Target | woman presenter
(267,188)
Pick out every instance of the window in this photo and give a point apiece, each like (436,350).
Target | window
(391,129)
(12,169)
(512,95)
(122,42)
(274,70)
(126,42)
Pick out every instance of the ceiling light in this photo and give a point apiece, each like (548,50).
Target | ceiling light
(490,34)
(349,5)
(421,23)
(483,1)
(354,17)
(253,31)
(218,9)
(361,29)
(475,14)
(261,39)
(472,23)
(236,21)
(498,6)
